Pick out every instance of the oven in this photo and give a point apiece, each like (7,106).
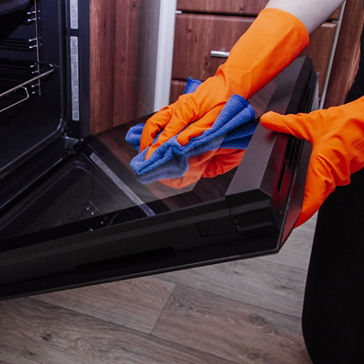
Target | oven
(73,212)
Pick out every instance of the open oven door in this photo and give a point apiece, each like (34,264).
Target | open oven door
(90,219)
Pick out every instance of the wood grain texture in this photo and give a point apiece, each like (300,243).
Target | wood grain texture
(196,326)
(296,251)
(243,7)
(319,50)
(125,61)
(177,88)
(283,286)
(228,329)
(347,54)
(135,304)
(102,41)
(122,39)
(197,35)
(36,332)
(275,282)
(252,7)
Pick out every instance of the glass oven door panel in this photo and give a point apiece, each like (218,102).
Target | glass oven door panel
(93,220)
(97,184)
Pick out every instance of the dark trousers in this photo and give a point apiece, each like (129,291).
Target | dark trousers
(333,313)
(333,310)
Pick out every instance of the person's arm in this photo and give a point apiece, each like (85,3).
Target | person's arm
(276,37)
(336,134)
(312,13)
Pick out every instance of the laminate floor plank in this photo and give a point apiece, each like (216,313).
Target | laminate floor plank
(37,332)
(270,282)
(256,282)
(228,329)
(241,312)
(297,249)
(135,303)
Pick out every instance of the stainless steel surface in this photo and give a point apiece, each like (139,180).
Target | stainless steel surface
(74,14)
(75,85)
(26,97)
(37,42)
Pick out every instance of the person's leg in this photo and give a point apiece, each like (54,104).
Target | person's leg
(333,313)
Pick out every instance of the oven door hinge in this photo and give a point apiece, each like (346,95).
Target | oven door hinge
(70,143)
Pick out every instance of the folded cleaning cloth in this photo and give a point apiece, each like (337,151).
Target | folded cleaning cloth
(232,129)
(178,166)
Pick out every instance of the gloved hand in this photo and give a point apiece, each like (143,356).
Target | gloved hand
(271,43)
(337,138)
(207,165)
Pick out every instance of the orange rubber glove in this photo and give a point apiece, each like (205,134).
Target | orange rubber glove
(207,165)
(271,43)
(337,138)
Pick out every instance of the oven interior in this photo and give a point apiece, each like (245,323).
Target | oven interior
(53,185)
(32,85)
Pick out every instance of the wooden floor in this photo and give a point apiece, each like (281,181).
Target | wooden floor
(239,312)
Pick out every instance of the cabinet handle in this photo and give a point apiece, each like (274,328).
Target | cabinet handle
(219,54)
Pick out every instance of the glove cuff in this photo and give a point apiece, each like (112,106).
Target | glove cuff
(271,43)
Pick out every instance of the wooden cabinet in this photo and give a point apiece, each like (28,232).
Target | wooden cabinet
(124,43)
(196,36)
(242,7)
(347,54)
(245,7)
(106,80)
(319,49)
(203,26)
(123,46)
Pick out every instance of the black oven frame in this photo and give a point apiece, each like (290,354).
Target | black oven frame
(255,217)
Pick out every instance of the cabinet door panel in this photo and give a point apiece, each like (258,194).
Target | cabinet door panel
(347,54)
(123,46)
(223,6)
(177,88)
(198,35)
(245,7)
(320,49)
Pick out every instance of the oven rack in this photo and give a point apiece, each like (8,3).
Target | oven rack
(13,94)
(17,71)
(19,44)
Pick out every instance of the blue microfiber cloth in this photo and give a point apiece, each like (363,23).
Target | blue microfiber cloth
(135,132)
(191,85)
(177,167)
(232,129)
